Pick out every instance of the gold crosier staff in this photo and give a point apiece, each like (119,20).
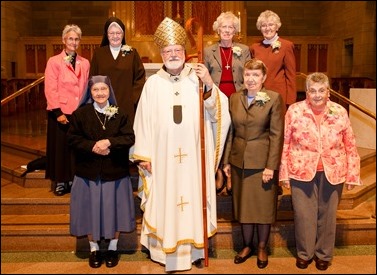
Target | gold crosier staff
(199,47)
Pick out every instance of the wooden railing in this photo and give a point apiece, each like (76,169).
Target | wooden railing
(22,90)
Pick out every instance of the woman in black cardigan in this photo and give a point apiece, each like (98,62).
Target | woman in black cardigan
(102,203)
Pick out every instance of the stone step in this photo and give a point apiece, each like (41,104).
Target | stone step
(34,219)
(50,232)
(16,199)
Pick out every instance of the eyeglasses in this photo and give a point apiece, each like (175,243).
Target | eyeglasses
(170,52)
(114,33)
(71,39)
(227,27)
(269,25)
(320,91)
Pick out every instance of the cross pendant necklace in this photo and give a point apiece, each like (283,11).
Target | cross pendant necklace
(104,122)
(227,60)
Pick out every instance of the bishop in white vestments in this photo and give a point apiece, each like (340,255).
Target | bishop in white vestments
(168,152)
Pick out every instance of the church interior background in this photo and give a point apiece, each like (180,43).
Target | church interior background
(335,37)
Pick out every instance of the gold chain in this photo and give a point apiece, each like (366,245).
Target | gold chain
(227,59)
(104,122)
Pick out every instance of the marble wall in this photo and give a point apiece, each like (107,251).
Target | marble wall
(364,126)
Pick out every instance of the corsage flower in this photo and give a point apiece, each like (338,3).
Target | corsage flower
(276,46)
(111,111)
(68,59)
(333,111)
(261,98)
(126,49)
(237,50)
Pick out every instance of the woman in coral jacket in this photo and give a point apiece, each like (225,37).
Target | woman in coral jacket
(319,157)
(66,76)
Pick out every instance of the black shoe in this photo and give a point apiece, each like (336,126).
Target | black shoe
(303,264)
(60,189)
(112,258)
(239,259)
(198,263)
(262,263)
(95,259)
(320,264)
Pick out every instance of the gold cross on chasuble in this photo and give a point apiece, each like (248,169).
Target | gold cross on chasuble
(182,203)
(180,155)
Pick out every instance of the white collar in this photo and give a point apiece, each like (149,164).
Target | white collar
(98,108)
(272,40)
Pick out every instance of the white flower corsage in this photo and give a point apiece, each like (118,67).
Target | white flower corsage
(68,59)
(333,110)
(261,98)
(237,50)
(126,49)
(276,46)
(111,111)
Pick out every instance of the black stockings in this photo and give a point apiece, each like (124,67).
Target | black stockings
(248,234)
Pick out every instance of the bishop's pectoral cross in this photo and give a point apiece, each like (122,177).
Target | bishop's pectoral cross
(227,66)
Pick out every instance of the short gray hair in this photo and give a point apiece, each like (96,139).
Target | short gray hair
(263,17)
(317,78)
(222,17)
(69,28)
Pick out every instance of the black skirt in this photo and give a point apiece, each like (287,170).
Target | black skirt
(59,156)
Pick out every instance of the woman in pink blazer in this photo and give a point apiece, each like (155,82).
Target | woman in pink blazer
(66,76)
(319,157)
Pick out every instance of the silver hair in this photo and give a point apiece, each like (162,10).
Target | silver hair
(264,16)
(222,17)
(69,28)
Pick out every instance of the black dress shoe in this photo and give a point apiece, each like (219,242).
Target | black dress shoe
(95,259)
(60,189)
(262,263)
(239,259)
(303,264)
(320,264)
(112,258)
(198,263)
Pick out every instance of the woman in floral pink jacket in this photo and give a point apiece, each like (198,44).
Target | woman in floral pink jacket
(319,156)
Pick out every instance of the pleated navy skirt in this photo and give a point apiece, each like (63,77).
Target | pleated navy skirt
(101,208)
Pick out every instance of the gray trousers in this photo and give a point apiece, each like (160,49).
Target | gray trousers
(314,205)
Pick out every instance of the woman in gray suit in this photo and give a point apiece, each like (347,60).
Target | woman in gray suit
(252,158)
(224,61)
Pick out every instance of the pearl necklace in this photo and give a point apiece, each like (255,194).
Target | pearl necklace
(227,59)
(104,122)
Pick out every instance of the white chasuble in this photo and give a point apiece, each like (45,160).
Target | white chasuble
(172,226)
